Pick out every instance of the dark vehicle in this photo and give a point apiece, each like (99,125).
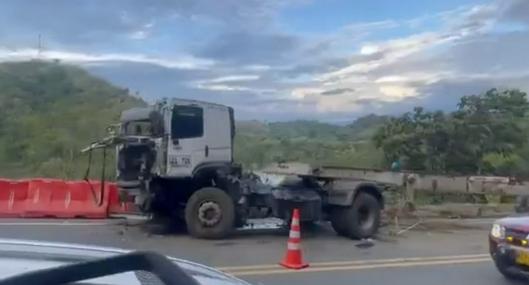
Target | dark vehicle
(509,246)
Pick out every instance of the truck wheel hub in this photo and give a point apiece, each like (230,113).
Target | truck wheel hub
(209,213)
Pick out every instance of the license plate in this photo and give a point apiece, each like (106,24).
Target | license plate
(522,258)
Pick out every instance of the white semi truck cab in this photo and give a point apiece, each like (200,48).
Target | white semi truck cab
(175,158)
(187,134)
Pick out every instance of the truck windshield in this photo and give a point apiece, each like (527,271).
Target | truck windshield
(137,128)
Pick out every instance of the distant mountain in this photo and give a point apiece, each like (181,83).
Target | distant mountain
(361,129)
(259,143)
(364,127)
(253,127)
(48,112)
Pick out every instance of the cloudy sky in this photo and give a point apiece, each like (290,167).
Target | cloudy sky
(331,60)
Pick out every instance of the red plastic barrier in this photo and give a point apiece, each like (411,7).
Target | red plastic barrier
(41,193)
(13,195)
(86,200)
(39,198)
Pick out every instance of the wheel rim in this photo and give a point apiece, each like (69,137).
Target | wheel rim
(209,213)
(365,217)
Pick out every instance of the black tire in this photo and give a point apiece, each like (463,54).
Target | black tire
(226,220)
(337,221)
(508,275)
(362,218)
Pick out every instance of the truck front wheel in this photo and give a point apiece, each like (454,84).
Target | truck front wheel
(210,214)
(360,220)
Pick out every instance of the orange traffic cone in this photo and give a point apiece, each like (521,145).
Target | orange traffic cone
(293,258)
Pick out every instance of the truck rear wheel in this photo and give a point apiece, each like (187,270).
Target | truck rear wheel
(337,221)
(360,220)
(210,214)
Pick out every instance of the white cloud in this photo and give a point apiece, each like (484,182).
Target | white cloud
(232,83)
(411,77)
(234,88)
(257,67)
(138,35)
(233,78)
(303,92)
(371,26)
(397,92)
(149,25)
(182,62)
(369,72)
(391,79)
(144,32)
(390,51)
(227,83)
(369,49)
(222,87)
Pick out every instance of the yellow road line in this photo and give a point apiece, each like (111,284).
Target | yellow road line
(357,262)
(360,267)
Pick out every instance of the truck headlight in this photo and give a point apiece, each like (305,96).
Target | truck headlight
(497,231)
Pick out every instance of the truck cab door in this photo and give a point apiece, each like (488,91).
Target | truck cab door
(186,145)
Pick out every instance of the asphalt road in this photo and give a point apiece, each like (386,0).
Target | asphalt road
(426,255)
(479,273)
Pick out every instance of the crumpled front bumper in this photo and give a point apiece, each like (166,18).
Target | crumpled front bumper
(504,255)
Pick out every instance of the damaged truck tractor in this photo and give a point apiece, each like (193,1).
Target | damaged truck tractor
(175,159)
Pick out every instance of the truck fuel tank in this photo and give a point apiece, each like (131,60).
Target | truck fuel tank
(286,192)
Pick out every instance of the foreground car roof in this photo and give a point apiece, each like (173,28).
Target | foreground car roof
(20,256)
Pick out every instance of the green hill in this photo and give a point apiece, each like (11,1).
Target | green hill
(258,143)
(365,127)
(49,111)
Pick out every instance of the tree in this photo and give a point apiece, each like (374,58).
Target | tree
(489,123)
(482,126)
(409,139)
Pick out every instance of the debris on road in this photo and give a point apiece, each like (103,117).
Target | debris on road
(365,243)
(410,227)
